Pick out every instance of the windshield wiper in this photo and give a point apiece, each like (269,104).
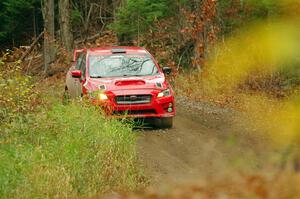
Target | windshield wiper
(132,75)
(137,75)
(96,76)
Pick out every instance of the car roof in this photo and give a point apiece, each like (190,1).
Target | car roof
(125,49)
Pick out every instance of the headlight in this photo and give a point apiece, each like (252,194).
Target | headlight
(102,96)
(98,95)
(164,93)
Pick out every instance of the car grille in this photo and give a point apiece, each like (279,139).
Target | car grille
(133,99)
(135,112)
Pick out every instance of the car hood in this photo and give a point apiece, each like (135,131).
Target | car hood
(126,83)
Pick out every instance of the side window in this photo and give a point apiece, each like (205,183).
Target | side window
(78,62)
(83,65)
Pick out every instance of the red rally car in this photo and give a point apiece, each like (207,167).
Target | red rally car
(125,81)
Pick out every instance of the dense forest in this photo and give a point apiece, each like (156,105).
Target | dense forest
(180,30)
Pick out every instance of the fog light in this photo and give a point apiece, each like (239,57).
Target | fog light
(170,110)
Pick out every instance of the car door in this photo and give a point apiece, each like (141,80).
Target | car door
(79,81)
(73,83)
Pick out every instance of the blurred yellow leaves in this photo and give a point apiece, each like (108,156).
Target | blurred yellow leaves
(261,48)
(258,52)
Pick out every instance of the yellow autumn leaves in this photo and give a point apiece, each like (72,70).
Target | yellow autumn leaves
(262,49)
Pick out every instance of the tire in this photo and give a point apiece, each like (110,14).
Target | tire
(66,98)
(166,122)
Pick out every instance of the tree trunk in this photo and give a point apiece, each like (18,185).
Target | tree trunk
(199,47)
(49,34)
(65,24)
(205,31)
(199,51)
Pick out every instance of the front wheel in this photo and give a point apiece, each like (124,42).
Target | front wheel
(166,122)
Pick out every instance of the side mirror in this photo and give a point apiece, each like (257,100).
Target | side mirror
(76,73)
(167,70)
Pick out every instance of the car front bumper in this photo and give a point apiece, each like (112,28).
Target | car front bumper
(157,108)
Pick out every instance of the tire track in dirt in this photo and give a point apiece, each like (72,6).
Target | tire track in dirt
(205,141)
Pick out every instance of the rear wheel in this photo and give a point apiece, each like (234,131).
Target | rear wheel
(66,97)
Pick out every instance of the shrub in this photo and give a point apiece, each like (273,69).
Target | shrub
(17,96)
(71,151)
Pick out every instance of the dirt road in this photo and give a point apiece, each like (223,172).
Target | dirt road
(205,141)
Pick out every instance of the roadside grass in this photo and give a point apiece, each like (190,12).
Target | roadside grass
(68,151)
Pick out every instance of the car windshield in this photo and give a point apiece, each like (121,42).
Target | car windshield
(120,65)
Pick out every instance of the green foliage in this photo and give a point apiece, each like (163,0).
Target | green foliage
(235,14)
(260,9)
(231,16)
(17,19)
(17,94)
(75,18)
(68,152)
(138,15)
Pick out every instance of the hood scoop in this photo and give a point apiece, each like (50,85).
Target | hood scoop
(130,82)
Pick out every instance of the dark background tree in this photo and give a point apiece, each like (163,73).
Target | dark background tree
(49,33)
(65,24)
(21,20)
(179,30)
